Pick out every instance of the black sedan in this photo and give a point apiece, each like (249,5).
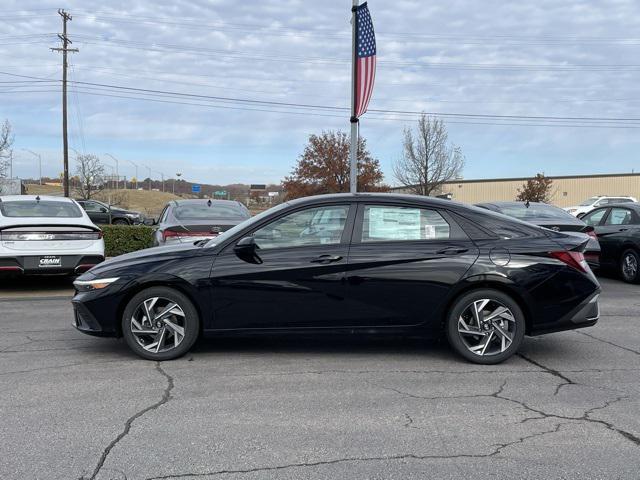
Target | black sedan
(103,213)
(369,263)
(552,217)
(618,231)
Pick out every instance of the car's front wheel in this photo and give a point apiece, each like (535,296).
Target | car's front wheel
(630,266)
(485,326)
(160,323)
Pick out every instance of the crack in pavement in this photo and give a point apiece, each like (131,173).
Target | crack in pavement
(166,396)
(566,380)
(498,448)
(541,414)
(609,343)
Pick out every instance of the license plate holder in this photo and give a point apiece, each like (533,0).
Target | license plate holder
(50,261)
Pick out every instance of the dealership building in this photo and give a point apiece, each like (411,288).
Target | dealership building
(566,190)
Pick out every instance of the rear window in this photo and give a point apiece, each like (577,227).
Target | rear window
(534,211)
(201,211)
(41,209)
(501,225)
(589,201)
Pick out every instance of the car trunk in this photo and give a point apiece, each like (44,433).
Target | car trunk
(50,238)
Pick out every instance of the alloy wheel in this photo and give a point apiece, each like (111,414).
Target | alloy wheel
(486,327)
(158,324)
(630,266)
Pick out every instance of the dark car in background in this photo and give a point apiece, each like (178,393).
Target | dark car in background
(349,263)
(618,231)
(105,214)
(197,219)
(554,218)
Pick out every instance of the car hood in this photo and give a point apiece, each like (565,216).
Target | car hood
(123,211)
(153,254)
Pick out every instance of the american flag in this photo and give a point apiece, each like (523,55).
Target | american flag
(365,58)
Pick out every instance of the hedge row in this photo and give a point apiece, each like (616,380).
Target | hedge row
(119,239)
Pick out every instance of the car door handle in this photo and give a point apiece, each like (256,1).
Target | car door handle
(326,259)
(452,250)
(623,229)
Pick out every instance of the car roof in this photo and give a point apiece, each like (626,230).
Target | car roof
(632,205)
(187,201)
(18,198)
(378,197)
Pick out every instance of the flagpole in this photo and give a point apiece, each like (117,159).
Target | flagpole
(353,148)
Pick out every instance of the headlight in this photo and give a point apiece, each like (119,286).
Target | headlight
(89,285)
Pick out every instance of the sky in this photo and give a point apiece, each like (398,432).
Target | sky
(546,86)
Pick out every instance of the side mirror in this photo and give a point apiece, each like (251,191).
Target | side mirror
(246,250)
(103,210)
(150,222)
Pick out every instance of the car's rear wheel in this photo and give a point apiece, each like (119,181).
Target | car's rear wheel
(630,266)
(485,326)
(160,323)
(120,221)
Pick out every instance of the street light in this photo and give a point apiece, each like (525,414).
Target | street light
(162,177)
(178,174)
(149,183)
(39,161)
(135,165)
(117,170)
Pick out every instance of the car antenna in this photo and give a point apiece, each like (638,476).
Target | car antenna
(527,204)
(209,203)
(37,198)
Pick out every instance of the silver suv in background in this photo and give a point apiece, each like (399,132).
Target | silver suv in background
(597,201)
(198,219)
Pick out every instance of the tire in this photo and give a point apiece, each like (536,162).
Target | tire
(120,221)
(629,266)
(171,334)
(475,348)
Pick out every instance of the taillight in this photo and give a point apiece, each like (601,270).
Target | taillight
(23,236)
(171,233)
(573,259)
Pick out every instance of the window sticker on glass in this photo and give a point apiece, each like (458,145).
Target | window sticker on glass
(391,223)
(388,223)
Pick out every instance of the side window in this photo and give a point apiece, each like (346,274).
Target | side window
(313,226)
(594,218)
(618,216)
(389,223)
(92,207)
(163,215)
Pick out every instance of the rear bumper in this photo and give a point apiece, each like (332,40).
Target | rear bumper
(32,264)
(586,314)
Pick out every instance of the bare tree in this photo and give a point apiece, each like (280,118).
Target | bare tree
(428,159)
(6,147)
(90,172)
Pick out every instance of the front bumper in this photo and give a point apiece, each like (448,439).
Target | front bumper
(32,264)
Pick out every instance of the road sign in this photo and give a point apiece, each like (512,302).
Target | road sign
(220,193)
(195,188)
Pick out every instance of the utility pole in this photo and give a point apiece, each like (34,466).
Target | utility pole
(149,168)
(65,48)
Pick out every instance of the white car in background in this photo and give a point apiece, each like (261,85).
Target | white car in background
(45,235)
(597,201)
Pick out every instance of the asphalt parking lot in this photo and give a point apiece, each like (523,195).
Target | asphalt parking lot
(73,406)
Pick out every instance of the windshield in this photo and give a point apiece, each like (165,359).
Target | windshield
(202,211)
(41,209)
(534,211)
(244,225)
(589,201)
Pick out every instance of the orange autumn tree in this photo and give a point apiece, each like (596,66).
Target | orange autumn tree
(323,167)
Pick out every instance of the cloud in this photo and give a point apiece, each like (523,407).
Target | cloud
(432,57)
